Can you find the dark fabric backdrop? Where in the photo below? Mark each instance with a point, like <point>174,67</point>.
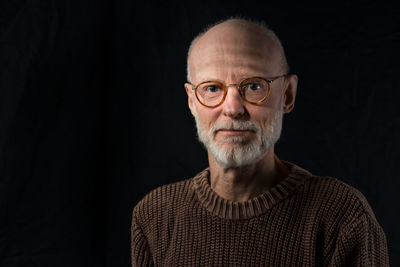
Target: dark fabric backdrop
<point>93,114</point>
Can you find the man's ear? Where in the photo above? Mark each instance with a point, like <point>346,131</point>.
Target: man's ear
<point>189,92</point>
<point>290,93</point>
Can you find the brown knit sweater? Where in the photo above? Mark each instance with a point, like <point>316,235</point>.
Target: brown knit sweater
<point>305,220</point>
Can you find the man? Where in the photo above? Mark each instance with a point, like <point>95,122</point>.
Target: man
<point>249,208</point>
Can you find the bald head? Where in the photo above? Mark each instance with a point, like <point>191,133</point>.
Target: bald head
<point>233,41</point>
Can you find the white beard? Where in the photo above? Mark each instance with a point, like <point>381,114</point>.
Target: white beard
<point>244,152</point>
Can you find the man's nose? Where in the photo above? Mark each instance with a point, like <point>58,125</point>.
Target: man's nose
<point>233,105</point>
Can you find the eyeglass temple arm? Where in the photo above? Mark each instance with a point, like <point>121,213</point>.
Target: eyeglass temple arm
<point>276,78</point>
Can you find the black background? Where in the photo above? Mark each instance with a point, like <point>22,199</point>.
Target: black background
<point>93,114</point>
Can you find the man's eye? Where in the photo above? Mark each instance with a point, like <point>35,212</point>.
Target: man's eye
<point>212,89</point>
<point>252,86</point>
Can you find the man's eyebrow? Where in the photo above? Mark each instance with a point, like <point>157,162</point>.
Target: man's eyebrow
<point>238,78</point>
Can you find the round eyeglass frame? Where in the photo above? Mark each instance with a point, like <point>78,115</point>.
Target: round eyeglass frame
<point>268,81</point>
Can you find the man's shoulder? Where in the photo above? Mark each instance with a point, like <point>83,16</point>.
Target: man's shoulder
<point>163,199</point>
<point>338,197</point>
<point>329,191</point>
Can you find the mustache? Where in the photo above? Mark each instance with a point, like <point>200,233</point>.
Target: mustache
<point>235,125</point>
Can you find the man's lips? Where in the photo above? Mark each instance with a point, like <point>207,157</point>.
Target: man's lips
<point>233,131</point>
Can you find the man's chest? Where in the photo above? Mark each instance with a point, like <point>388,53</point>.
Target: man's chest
<point>212,241</point>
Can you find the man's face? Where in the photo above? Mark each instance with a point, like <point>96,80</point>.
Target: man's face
<point>237,133</point>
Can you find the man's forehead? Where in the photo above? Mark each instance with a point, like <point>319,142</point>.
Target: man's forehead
<point>233,50</point>
<point>216,69</point>
<point>238,56</point>
<point>233,47</point>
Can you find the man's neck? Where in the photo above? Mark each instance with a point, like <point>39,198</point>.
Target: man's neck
<point>244,183</point>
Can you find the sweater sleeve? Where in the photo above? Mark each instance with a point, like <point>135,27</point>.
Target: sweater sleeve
<point>362,243</point>
<point>140,251</point>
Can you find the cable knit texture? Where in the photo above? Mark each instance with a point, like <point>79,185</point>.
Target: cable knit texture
<point>305,220</point>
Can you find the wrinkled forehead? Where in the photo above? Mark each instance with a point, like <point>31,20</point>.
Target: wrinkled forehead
<point>234,52</point>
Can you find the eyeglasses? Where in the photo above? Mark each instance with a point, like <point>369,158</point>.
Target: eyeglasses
<point>254,90</point>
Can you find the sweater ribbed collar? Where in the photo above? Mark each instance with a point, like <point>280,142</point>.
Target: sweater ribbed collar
<point>235,210</point>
